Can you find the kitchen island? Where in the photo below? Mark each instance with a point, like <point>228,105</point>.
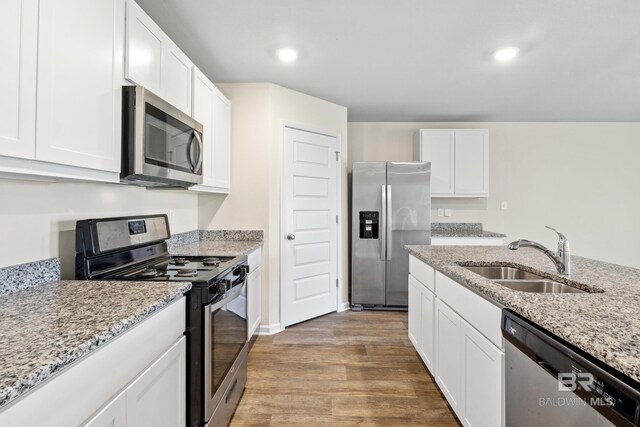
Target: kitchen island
<point>603,322</point>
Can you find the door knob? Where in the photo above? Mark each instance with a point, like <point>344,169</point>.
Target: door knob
<point>291,236</point>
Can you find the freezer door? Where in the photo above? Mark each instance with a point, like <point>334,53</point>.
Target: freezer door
<point>368,252</point>
<point>408,222</point>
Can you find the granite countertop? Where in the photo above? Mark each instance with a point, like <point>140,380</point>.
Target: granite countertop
<point>466,233</point>
<point>47,327</point>
<point>604,323</point>
<point>216,248</point>
<point>461,229</point>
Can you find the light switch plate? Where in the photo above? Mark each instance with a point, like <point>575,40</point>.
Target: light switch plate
<point>503,205</point>
<point>447,212</point>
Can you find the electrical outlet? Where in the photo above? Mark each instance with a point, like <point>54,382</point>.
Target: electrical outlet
<point>440,212</point>
<point>503,205</point>
<point>447,212</point>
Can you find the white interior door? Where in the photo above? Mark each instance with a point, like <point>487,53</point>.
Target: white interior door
<point>310,229</point>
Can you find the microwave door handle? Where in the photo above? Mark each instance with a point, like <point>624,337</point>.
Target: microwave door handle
<point>200,152</point>
<point>189,159</point>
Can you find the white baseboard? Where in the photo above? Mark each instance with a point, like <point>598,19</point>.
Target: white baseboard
<point>343,307</point>
<point>269,329</point>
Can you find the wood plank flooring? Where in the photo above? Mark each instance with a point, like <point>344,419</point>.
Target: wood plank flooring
<point>343,369</point>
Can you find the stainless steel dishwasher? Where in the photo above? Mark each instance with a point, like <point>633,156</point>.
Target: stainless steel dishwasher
<point>549,382</point>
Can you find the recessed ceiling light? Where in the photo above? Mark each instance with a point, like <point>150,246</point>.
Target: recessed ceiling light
<point>287,54</point>
<point>506,54</point>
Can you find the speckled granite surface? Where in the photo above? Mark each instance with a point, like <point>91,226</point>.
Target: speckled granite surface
<point>190,237</point>
<point>605,324</point>
<point>24,276</point>
<point>216,248</point>
<point>237,235</point>
<point>461,229</point>
<point>183,238</point>
<point>47,327</point>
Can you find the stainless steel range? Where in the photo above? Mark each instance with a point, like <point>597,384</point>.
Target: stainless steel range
<point>135,248</point>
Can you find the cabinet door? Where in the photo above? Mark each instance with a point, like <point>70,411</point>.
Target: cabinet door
<point>144,49</point>
<point>18,59</point>
<point>203,106</point>
<point>413,320</point>
<point>427,327</point>
<point>157,397</point>
<point>449,358</point>
<point>79,83</point>
<point>437,147</point>
<point>483,372</point>
<point>221,141</point>
<point>254,302</point>
<point>176,77</point>
<point>112,415</point>
<point>471,162</point>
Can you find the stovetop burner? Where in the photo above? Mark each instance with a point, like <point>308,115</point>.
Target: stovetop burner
<point>151,272</point>
<point>179,261</point>
<point>211,261</point>
<point>186,272</point>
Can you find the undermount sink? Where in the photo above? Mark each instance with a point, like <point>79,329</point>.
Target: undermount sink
<point>521,280</point>
<point>500,273</point>
<point>543,286</point>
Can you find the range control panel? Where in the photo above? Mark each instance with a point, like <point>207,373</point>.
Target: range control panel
<point>369,224</point>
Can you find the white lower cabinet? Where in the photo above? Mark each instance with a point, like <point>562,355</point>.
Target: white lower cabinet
<point>112,415</point>
<point>427,328</point>
<point>157,397</point>
<point>254,292</point>
<point>421,320</point>
<point>482,380</point>
<point>449,358</point>
<point>457,334</point>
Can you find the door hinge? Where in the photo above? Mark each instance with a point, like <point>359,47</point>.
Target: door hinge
<point>336,219</point>
<point>337,156</point>
<point>336,283</point>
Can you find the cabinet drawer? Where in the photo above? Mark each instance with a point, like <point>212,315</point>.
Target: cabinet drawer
<point>480,313</point>
<point>422,272</point>
<point>254,259</point>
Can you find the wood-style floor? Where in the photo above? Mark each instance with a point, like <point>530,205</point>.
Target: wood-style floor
<point>343,369</point>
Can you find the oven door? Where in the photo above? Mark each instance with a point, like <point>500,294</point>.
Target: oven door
<point>225,329</point>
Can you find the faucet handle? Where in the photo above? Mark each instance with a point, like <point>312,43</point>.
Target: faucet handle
<point>563,243</point>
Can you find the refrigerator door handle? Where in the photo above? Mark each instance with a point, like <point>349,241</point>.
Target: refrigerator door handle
<point>383,224</point>
<point>389,222</point>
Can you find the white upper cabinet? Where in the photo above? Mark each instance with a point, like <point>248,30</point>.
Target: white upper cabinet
<point>79,83</point>
<point>155,62</point>
<point>18,58</point>
<point>459,160</point>
<point>213,110</point>
<point>61,64</point>
<point>221,141</point>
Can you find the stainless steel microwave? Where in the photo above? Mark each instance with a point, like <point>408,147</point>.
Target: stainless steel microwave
<point>161,146</point>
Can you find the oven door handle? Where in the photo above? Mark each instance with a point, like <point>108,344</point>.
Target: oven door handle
<point>227,299</point>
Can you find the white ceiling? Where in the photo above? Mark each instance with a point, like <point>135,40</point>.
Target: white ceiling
<point>425,60</point>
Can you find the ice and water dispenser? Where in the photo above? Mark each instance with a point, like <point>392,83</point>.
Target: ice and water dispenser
<point>369,228</point>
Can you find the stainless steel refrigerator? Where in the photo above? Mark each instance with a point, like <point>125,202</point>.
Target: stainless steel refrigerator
<point>391,207</point>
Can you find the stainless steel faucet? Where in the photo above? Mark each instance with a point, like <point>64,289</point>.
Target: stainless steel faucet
<point>561,259</point>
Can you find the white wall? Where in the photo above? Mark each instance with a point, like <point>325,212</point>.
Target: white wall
<point>258,111</point>
<point>37,219</point>
<point>582,178</point>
